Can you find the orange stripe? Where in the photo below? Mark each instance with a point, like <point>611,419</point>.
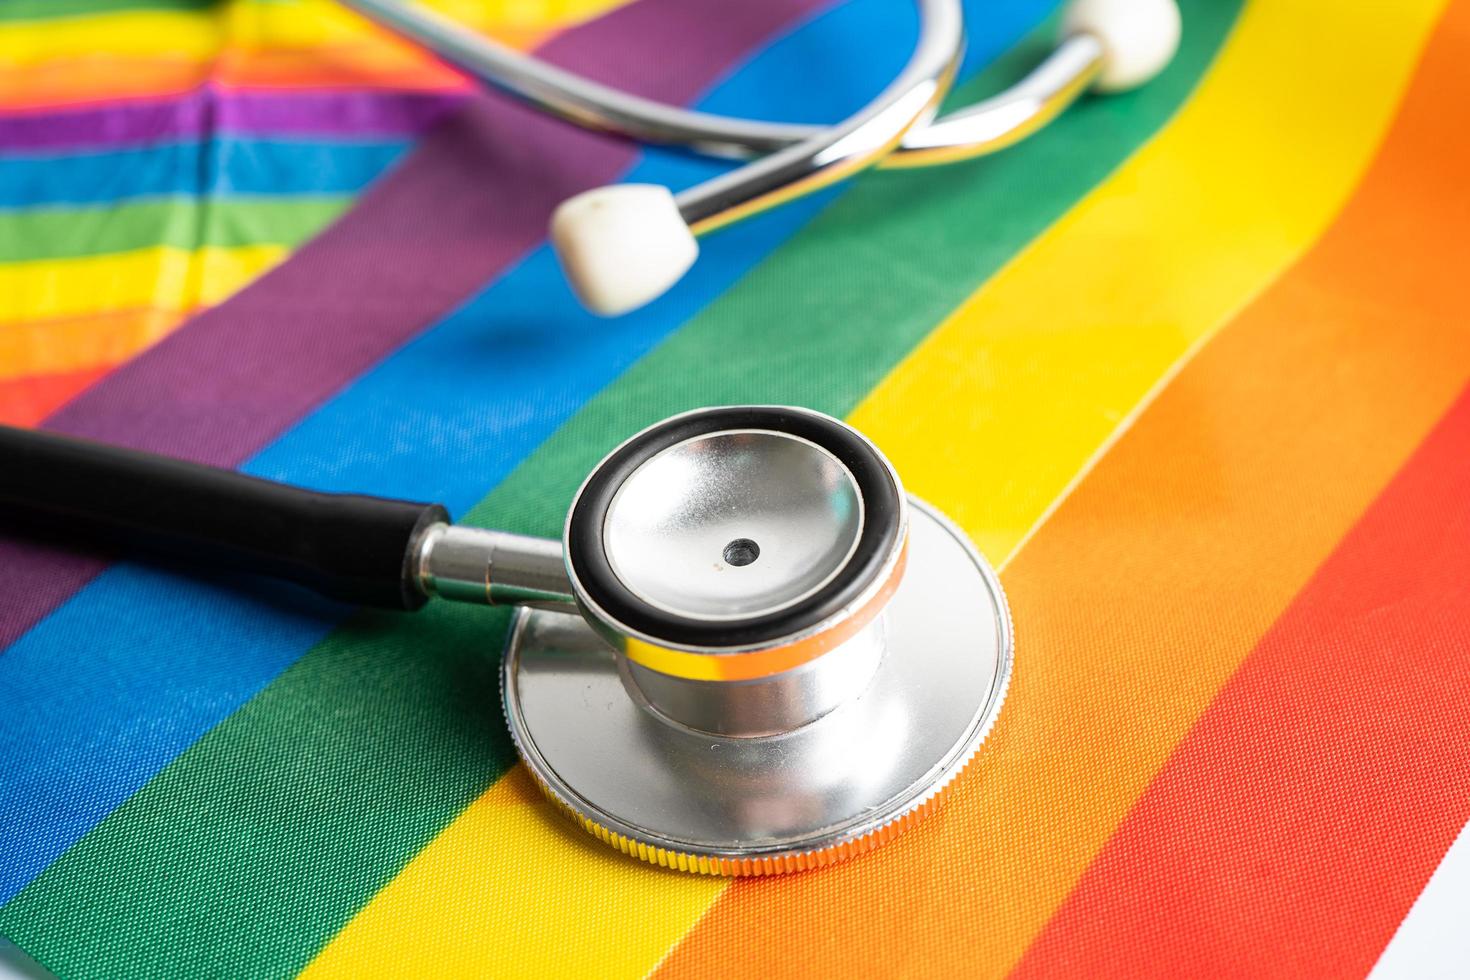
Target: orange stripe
<point>147,53</point>
<point>1337,763</point>
<point>68,345</point>
<point>26,401</point>
<point>112,78</point>
<point>390,64</point>
<point>1294,827</point>
<point>1150,584</point>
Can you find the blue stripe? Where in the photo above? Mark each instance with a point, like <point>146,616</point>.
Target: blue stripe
<point>118,681</point>
<point>224,165</point>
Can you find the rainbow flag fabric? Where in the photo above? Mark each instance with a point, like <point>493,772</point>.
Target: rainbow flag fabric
<point>1190,366</point>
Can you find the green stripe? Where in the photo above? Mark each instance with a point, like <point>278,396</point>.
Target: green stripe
<point>14,10</point>
<point>258,843</point>
<point>183,222</point>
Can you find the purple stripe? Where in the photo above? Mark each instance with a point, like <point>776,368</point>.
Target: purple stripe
<point>474,197</point>
<point>209,109</point>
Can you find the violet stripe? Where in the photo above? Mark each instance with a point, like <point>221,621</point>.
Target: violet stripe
<point>210,109</point>
<point>473,197</point>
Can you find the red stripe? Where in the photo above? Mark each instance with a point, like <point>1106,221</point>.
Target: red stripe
<point>1292,829</point>
<point>26,401</point>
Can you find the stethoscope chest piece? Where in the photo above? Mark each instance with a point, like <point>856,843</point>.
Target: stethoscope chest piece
<point>788,661</point>
<point>751,651</point>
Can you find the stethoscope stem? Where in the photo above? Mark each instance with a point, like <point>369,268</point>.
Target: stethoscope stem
<point>470,564</point>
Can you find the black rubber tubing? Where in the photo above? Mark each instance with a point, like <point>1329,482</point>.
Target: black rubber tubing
<point>346,546</point>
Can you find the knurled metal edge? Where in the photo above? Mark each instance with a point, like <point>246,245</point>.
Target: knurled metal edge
<point>667,855</point>
<point>781,862</point>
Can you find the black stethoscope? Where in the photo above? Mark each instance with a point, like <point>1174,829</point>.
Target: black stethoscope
<point>751,651</point>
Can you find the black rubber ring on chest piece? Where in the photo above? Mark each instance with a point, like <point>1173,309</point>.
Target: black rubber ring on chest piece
<point>587,553</point>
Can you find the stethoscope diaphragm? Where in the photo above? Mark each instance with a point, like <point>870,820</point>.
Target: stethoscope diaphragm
<point>915,695</point>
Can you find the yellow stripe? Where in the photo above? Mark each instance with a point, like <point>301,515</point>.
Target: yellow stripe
<point>518,913</point>
<point>185,35</point>
<point>990,419</point>
<point>255,24</point>
<point>163,277</point>
<point>1032,373</point>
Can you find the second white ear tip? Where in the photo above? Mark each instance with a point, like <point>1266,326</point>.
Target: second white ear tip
<point>1141,37</point>
<point>622,246</point>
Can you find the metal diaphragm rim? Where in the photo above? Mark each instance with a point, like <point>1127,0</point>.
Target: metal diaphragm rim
<point>606,596</point>
<point>654,787</point>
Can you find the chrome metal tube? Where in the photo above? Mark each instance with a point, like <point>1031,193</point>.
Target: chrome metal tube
<point>852,145</point>
<point>468,564</point>
<point>569,96</point>
<point>983,128</point>
<point>1011,116</point>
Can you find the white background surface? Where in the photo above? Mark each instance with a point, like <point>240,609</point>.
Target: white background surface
<point>1433,941</point>
<point>15,965</point>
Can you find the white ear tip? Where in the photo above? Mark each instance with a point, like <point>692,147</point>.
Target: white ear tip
<point>1140,37</point>
<point>622,246</point>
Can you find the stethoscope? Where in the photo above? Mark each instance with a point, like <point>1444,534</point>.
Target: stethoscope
<point>751,652</point>
<point>623,245</point>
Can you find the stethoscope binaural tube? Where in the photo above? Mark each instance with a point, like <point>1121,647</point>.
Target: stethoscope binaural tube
<point>751,652</point>
<point>623,245</point>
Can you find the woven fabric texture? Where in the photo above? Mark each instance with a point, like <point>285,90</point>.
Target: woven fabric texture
<point>1189,366</point>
